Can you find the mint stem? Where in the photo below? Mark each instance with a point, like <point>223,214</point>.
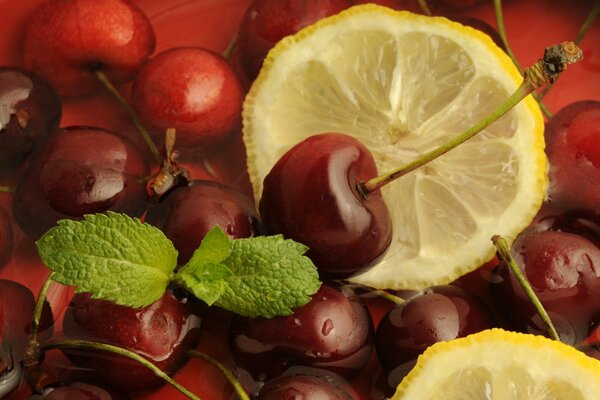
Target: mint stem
<point>504,254</point>
<point>502,33</point>
<point>90,345</point>
<point>241,393</point>
<point>582,31</point>
<point>131,113</point>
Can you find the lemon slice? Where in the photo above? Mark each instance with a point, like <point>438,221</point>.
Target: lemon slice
<point>500,365</point>
<point>403,84</point>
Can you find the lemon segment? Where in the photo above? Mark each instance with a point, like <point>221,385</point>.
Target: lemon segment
<point>501,365</point>
<point>403,84</point>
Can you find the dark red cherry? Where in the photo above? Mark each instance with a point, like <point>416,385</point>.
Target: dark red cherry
<point>310,196</point>
<point>6,238</point>
<point>192,90</point>
<point>78,171</point>
<point>564,271</point>
<point>160,332</point>
<point>76,391</point>
<point>266,22</point>
<point>30,110</point>
<point>574,154</point>
<point>439,314</point>
<point>67,40</point>
<point>306,384</point>
<point>189,213</point>
<point>333,332</point>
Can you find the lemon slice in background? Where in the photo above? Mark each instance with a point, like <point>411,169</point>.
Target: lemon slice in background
<point>403,84</point>
<point>499,365</point>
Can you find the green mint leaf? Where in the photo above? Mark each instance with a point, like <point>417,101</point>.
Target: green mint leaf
<point>214,248</point>
<point>112,256</point>
<point>269,276</point>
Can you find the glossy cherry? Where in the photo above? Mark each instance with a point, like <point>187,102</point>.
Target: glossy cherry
<point>30,110</point>
<point>76,391</point>
<point>67,40</point>
<point>80,170</point>
<point>306,384</point>
<point>189,213</point>
<point>266,22</point>
<point>192,90</point>
<point>333,332</point>
<point>160,332</point>
<point>310,195</point>
<point>564,271</point>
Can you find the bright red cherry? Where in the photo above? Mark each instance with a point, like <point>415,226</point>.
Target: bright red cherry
<point>311,196</point>
<point>80,170</point>
<point>192,90</point>
<point>67,40</point>
<point>30,110</point>
<point>266,22</point>
<point>189,213</point>
<point>160,332</point>
<point>564,272</point>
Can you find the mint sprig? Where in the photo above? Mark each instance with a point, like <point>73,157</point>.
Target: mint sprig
<point>118,258</point>
<point>261,276</point>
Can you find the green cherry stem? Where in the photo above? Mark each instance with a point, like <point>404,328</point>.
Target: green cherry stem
<point>90,345</point>
<point>230,47</point>
<point>377,292</point>
<point>424,7</point>
<point>239,389</point>
<point>39,306</point>
<point>582,31</point>
<point>507,258</point>
<point>131,113</point>
<point>7,189</point>
<point>546,70</point>
<point>502,33</point>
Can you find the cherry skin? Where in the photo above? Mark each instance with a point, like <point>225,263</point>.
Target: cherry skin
<point>160,332</point>
<point>189,213</point>
<point>295,385</point>
<point>574,155</point>
<point>192,90</point>
<point>332,331</point>
<point>310,196</point>
<point>6,238</point>
<point>564,271</point>
<point>266,22</point>
<point>30,110</point>
<point>439,314</point>
<point>67,40</point>
<point>78,171</point>
<point>76,391</point>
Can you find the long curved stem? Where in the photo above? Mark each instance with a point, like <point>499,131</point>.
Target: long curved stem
<point>239,390</point>
<point>131,113</point>
<point>85,344</point>
<point>502,33</point>
<point>39,306</point>
<point>504,254</point>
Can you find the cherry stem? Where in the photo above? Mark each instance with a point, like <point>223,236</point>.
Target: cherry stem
<point>377,292</point>
<point>239,389</point>
<point>39,306</point>
<point>582,31</point>
<point>546,70</point>
<point>425,7</point>
<point>502,33</point>
<point>131,113</point>
<point>230,47</point>
<point>85,344</point>
<point>7,189</point>
<point>507,258</point>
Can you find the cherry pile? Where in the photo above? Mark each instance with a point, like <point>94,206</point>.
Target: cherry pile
<point>347,342</point>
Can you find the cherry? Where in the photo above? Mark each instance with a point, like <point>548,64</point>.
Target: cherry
<point>80,170</point>
<point>76,391</point>
<point>306,384</point>
<point>266,22</point>
<point>564,271</point>
<point>574,156</point>
<point>30,109</point>
<point>18,302</point>
<point>66,41</point>
<point>441,313</point>
<point>192,90</point>
<point>6,238</point>
<point>482,26</point>
<point>160,332</point>
<point>333,332</point>
<point>189,213</point>
<point>310,195</point>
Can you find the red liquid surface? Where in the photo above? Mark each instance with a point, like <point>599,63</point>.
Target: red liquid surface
<point>531,26</point>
